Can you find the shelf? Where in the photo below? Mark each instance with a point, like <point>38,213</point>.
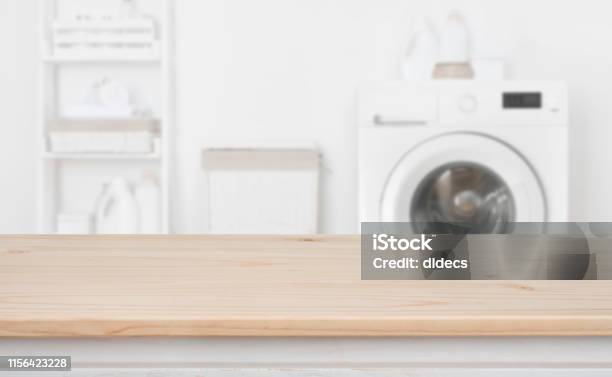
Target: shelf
<point>102,59</point>
<point>65,76</point>
<point>101,156</point>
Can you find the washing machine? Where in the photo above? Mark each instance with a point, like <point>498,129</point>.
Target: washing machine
<point>484,154</point>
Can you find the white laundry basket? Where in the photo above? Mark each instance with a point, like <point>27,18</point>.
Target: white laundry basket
<point>262,191</point>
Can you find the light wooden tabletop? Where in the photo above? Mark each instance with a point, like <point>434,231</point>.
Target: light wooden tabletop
<point>60,286</point>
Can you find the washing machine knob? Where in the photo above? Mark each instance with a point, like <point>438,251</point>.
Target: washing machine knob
<point>468,103</point>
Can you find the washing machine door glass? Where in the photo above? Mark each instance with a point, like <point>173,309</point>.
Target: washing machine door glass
<point>463,193</point>
<point>463,178</point>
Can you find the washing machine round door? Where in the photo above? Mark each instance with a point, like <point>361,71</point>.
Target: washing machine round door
<point>463,178</point>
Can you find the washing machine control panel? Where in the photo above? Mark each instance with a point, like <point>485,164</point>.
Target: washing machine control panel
<point>488,105</point>
<point>464,104</point>
<point>522,100</point>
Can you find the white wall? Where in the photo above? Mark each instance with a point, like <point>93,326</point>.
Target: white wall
<point>288,69</point>
<point>17,118</point>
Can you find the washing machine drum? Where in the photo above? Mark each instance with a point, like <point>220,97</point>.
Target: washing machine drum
<point>463,179</point>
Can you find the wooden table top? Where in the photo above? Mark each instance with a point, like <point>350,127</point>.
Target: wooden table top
<point>64,286</point>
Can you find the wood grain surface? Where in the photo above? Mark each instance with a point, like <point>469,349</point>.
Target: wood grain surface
<point>63,286</point>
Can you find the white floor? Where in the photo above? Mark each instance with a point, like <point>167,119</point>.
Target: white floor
<point>328,373</point>
<point>388,357</point>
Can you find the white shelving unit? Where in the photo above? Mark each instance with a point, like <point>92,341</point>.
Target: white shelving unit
<point>71,182</point>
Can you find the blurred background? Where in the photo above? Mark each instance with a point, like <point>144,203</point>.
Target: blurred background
<point>98,131</point>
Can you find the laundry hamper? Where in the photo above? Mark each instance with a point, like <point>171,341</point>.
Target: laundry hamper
<point>262,191</point>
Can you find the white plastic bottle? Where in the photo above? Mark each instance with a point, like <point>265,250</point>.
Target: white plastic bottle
<point>117,211</point>
<point>148,198</point>
<point>422,54</point>
<point>455,50</point>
